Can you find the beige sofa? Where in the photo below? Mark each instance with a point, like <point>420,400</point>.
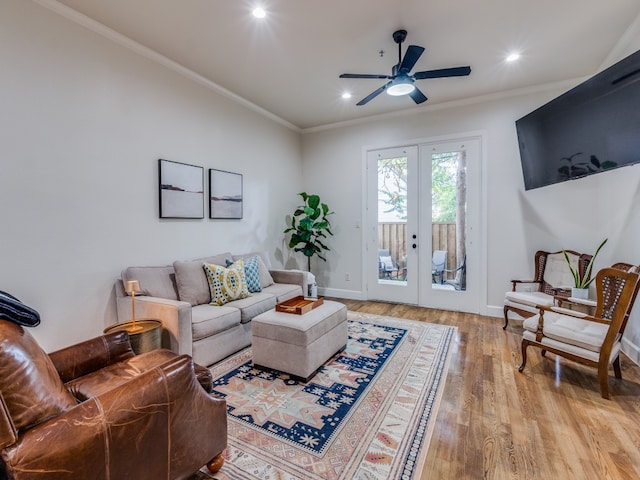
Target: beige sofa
<point>179,296</point>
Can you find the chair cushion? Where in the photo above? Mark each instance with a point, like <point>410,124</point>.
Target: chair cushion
<point>15,311</point>
<point>226,284</point>
<point>556,270</point>
<point>31,387</point>
<point>530,298</point>
<point>566,329</point>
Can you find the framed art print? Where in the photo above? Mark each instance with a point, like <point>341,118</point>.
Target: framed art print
<point>225,194</point>
<point>181,190</point>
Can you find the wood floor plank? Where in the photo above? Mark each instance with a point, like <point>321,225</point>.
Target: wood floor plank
<point>548,422</point>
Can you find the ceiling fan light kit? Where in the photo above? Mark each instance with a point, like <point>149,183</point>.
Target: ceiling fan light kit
<point>401,83</point>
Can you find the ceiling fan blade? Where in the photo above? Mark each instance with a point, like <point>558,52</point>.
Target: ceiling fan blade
<point>373,94</point>
<point>364,75</point>
<point>418,96</point>
<point>443,72</point>
<point>411,56</point>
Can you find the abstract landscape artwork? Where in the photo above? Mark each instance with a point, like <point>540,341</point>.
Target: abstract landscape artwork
<point>181,190</point>
<point>225,194</point>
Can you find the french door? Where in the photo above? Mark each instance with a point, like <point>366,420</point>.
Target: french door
<point>422,220</point>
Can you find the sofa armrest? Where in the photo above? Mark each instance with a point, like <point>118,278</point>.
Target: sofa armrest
<point>163,416</point>
<point>91,355</point>
<point>174,315</point>
<point>292,277</point>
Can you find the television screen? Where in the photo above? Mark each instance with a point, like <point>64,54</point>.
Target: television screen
<point>592,128</point>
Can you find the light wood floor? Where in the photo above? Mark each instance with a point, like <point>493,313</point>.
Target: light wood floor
<point>548,422</point>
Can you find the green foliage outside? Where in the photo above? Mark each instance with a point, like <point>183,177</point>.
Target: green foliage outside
<point>392,186</point>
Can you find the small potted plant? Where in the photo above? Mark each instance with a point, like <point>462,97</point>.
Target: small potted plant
<point>581,289</point>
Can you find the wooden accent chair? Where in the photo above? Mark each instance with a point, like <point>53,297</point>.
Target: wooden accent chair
<point>95,410</point>
<point>552,277</point>
<point>590,340</point>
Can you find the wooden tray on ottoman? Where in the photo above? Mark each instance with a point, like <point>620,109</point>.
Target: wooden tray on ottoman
<point>299,305</point>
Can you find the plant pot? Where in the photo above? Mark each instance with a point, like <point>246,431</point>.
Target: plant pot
<point>581,293</point>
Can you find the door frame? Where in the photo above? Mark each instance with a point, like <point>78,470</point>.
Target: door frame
<point>481,262</point>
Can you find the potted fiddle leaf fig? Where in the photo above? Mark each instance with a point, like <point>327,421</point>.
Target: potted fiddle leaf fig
<point>581,289</point>
<point>310,226</point>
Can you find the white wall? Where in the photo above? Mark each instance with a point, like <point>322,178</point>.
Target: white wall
<point>83,122</point>
<point>575,215</point>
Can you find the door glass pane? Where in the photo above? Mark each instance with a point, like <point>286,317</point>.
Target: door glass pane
<point>448,220</point>
<point>392,219</point>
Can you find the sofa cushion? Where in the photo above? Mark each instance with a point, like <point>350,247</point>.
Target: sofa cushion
<point>191,280</point>
<point>251,273</point>
<point>283,291</point>
<point>264,265</point>
<point>207,320</point>
<point>226,284</point>
<point>254,305</point>
<point>154,281</point>
<point>31,387</point>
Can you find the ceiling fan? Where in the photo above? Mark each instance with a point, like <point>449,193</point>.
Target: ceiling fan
<point>401,83</point>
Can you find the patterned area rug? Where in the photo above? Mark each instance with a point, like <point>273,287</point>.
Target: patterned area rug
<point>367,414</point>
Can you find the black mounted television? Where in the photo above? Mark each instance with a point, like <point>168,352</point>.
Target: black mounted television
<point>592,128</point>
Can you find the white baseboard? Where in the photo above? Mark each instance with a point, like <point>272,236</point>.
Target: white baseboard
<point>339,293</point>
<point>631,350</point>
<point>493,311</point>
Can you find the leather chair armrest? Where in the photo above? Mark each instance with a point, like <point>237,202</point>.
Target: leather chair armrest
<point>8,433</point>
<point>292,277</point>
<point>91,355</point>
<point>163,416</point>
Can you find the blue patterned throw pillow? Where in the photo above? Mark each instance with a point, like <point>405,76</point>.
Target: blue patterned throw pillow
<point>251,273</point>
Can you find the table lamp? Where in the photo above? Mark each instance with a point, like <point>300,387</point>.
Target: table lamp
<point>131,287</point>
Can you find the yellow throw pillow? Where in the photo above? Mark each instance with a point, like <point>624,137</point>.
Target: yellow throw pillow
<point>226,284</point>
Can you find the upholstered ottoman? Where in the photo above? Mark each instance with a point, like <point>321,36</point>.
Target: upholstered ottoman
<point>299,344</point>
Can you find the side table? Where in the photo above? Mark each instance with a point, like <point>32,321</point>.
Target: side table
<point>145,337</point>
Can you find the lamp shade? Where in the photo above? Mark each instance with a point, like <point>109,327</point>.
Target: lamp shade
<point>132,286</point>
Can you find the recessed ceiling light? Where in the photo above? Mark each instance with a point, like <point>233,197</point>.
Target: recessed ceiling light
<point>259,12</point>
<point>346,95</point>
<point>512,57</point>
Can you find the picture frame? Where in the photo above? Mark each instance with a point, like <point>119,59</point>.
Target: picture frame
<point>225,195</point>
<point>180,189</point>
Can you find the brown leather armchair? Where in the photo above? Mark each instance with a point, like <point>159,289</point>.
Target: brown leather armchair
<point>95,410</point>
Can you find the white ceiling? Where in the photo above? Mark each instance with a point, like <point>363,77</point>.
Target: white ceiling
<point>289,62</point>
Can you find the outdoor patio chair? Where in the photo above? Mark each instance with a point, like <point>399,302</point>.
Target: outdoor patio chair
<point>459,282</point>
<point>438,265</point>
<point>387,268</point>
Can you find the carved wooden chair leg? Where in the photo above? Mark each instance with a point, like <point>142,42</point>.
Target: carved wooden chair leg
<point>525,344</point>
<point>506,318</point>
<point>616,368</point>
<point>215,464</point>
